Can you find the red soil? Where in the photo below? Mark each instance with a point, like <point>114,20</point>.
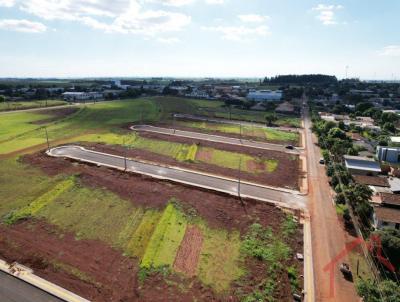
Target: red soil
<point>285,175</point>
<point>112,277</point>
<point>56,114</point>
<point>188,254</point>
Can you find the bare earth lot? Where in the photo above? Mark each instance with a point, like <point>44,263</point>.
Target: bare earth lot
<point>110,276</point>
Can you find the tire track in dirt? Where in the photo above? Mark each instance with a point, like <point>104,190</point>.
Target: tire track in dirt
<point>188,254</point>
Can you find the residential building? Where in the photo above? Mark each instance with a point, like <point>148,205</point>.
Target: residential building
<point>358,165</point>
<point>375,183</point>
<point>388,154</point>
<point>265,95</point>
<point>81,96</point>
<point>285,108</point>
<point>387,215</point>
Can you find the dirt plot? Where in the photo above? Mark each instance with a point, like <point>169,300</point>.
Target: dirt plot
<point>219,210</point>
<point>188,254</point>
<point>112,277</point>
<point>234,135</point>
<point>56,114</point>
<point>285,175</point>
<point>106,274</point>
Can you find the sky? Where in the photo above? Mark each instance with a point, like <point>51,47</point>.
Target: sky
<point>199,38</point>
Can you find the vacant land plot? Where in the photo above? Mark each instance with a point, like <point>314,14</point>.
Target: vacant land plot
<point>6,106</point>
<point>159,228</point>
<point>109,236</point>
<point>260,166</point>
<point>249,132</point>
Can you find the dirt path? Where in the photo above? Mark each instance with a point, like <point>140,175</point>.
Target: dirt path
<point>328,236</point>
<point>188,255</point>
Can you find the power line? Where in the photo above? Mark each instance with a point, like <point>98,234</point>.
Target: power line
<point>355,223</point>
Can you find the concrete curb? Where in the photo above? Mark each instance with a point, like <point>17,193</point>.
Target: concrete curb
<point>277,203</point>
<point>309,284</point>
<point>186,170</point>
<point>27,275</point>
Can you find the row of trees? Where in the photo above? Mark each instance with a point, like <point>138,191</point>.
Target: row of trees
<point>306,79</point>
<point>357,196</point>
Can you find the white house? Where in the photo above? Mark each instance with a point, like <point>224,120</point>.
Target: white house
<point>265,95</point>
<point>358,165</point>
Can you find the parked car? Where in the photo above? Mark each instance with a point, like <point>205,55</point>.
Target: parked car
<point>290,147</point>
<point>322,161</point>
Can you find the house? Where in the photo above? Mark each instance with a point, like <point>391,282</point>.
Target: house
<point>394,184</point>
<point>358,165</point>
<point>376,184</point>
<point>388,154</point>
<point>285,108</point>
<point>395,139</point>
<point>81,96</point>
<point>264,95</point>
<point>387,215</point>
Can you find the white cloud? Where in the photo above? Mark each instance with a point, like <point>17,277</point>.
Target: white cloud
<point>7,3</point>
<point>122,16</point>
<point>22,26</point>
<point>390,51</point>
<point>326,13</point>
<point>215,1</point>
<point>253,18</point>
<point>168,40</point>
<point>175,3</point>
<point>239,33</point>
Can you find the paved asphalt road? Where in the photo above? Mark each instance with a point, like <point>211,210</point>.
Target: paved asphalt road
<point>215,138</point>
<point>288,198</point>
<point>235,122</point>
<point>15,290</point>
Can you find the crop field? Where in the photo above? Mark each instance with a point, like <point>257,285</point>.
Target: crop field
<point>262,134</point>
<point>109,236</point>
<point>5,106</point>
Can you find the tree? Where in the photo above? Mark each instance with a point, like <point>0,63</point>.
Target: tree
<point>371,292</point>
<point>390,240</point>
<point>2,98</point>
<point>389,127</point>
<point>337,133</point>
<point>270,118</point>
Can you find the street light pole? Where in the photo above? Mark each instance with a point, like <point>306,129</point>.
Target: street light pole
<point>47,138</point>
<point>125,164</point>
<point>240,172</point>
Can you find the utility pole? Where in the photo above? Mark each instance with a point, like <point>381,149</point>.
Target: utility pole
<point>125,163</point>
<point>47,138</point>
<point>239,179</point>
<point>230,112</point>
<point>347,71</point>
<point>241,133</point>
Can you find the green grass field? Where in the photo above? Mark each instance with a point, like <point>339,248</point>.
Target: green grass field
<point>9,106</point>
<point>266,134</point>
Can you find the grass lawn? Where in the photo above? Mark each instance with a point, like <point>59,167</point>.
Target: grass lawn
<point>231,160</point>
<point>220,258</point>
<point>6,106</point>
<point>267,134</point>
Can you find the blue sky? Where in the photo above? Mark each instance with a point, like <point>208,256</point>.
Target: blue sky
<point>197,38</point>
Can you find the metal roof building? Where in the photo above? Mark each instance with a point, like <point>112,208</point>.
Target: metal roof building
<point>359,165</point>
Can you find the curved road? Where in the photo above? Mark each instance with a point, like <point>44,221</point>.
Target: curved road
<point>215,138</point>
<point>15,290</point>
<point>283,197</point>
